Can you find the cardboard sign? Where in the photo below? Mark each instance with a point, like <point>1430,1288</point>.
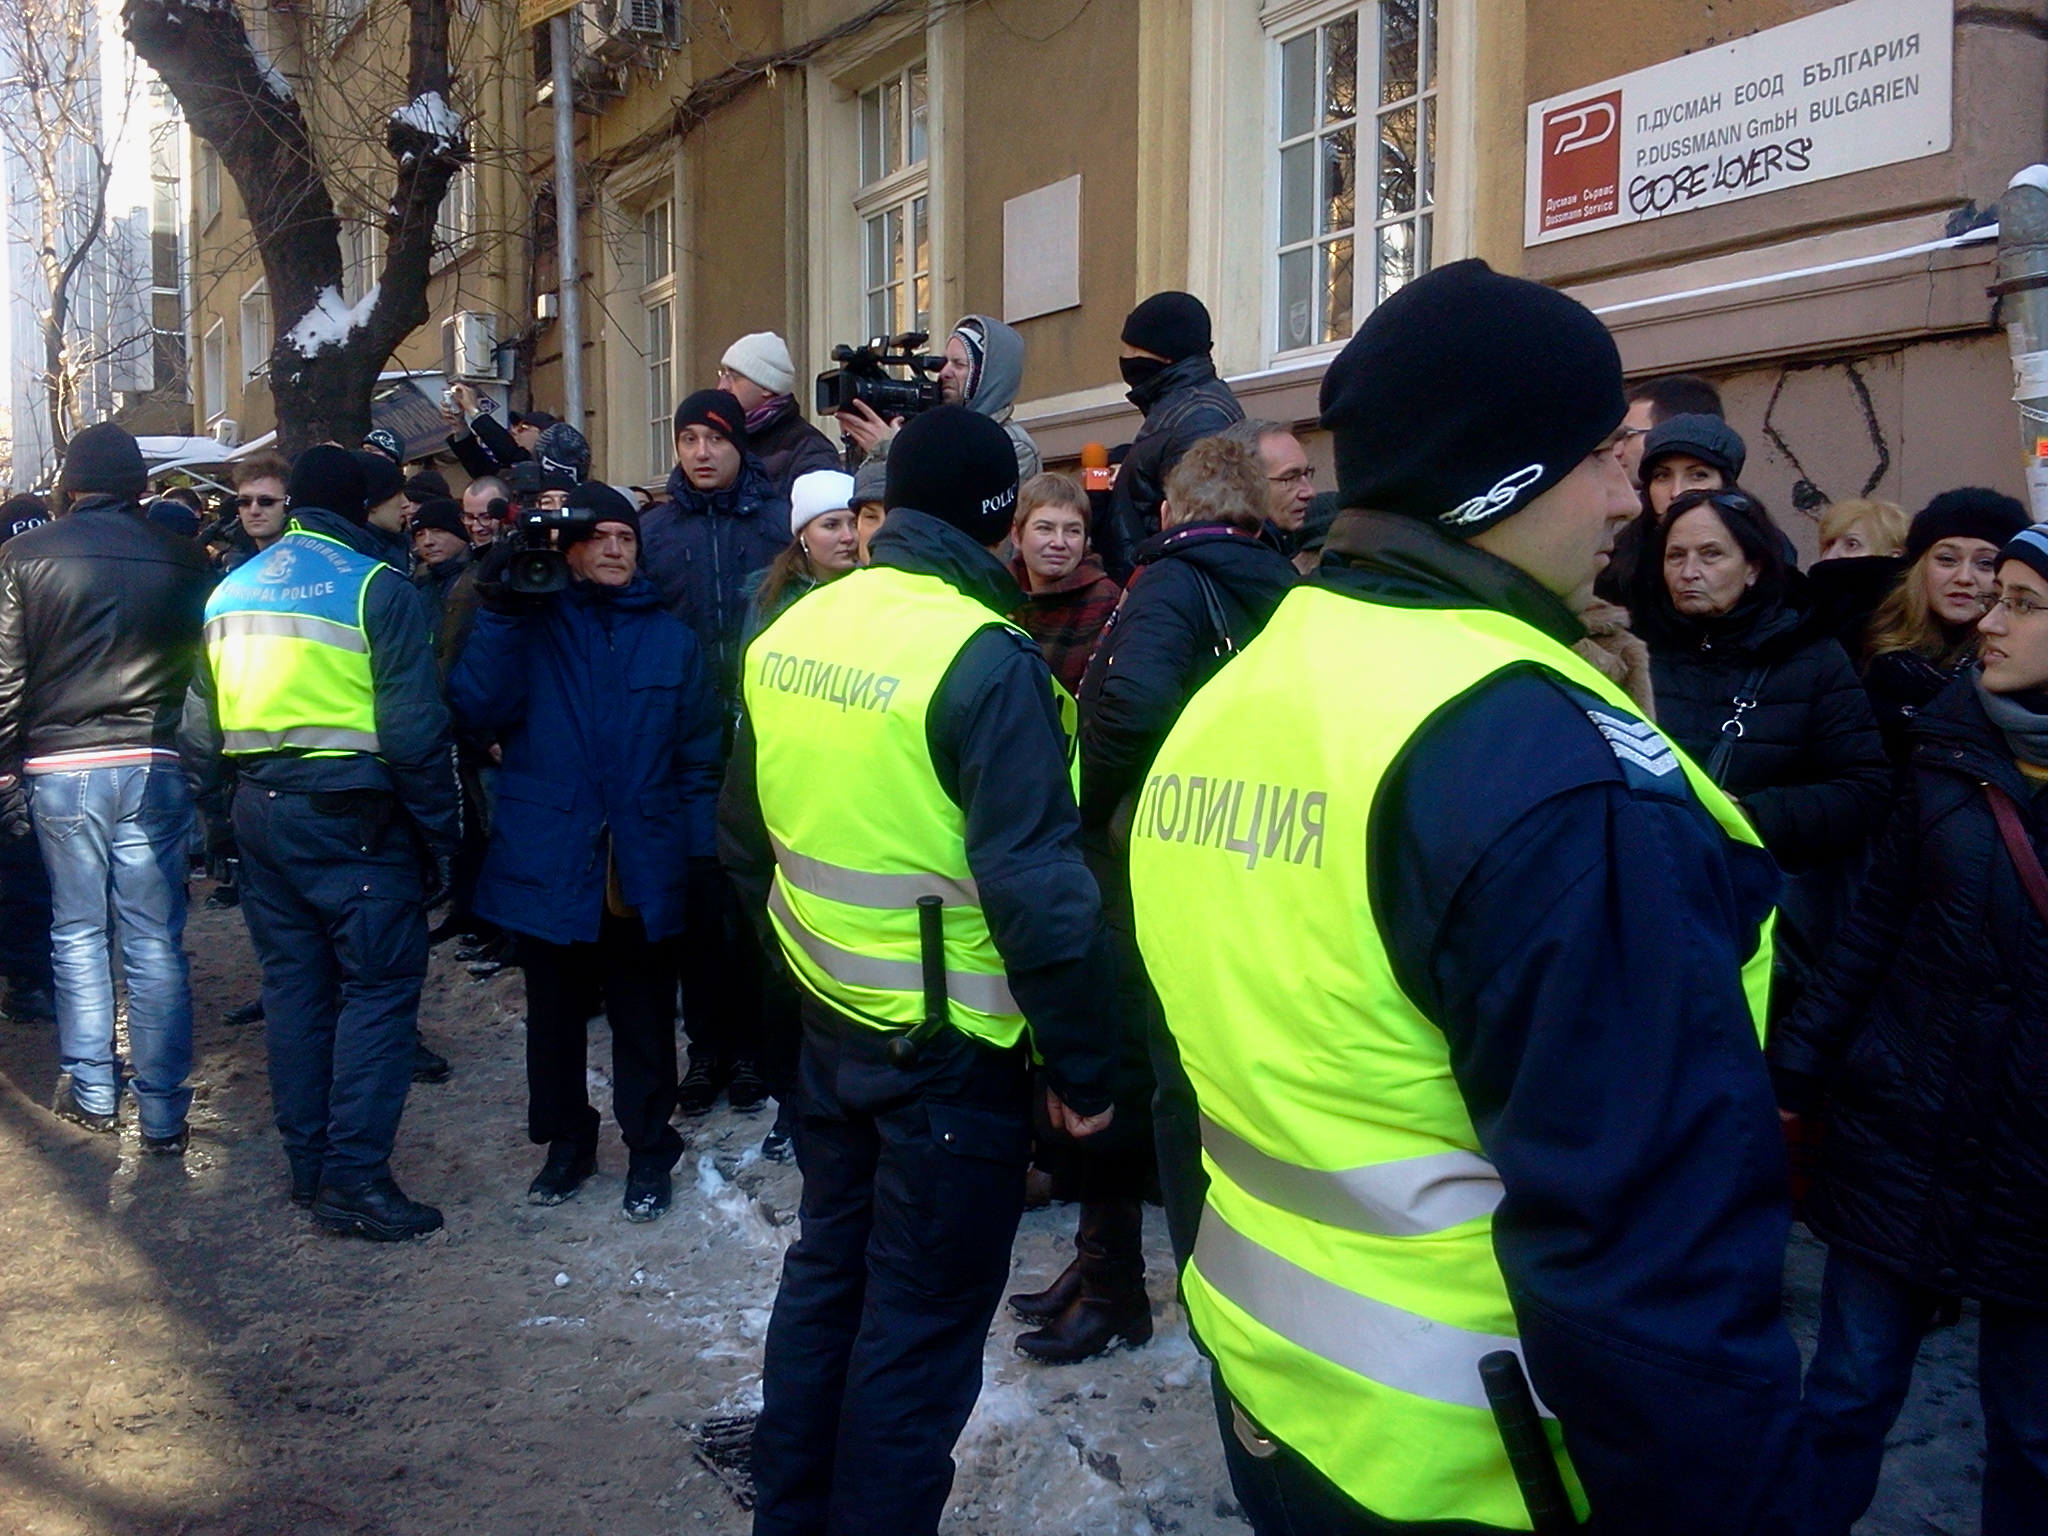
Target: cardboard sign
<point>1864,84</point>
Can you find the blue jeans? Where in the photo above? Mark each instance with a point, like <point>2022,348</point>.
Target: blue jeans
<point>1871,1323</point>
<point>113,840</point>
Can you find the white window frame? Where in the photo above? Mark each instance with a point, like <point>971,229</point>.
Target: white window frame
<point>253,311</point>
<point>360,257</point>
<point>655,226</point>
<point>213,369</point>
<point>1288,25</point>
<point>893,200</point>
<point>208,180</point>
<point>455,219</point>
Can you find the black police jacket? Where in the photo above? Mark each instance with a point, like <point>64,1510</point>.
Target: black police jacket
<point>1927,1033</point>
<point>100,615</point>
<point>996,744</point>
<point>1576,924</point>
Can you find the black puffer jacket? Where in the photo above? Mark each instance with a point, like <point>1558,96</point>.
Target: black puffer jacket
<point>1901,684</point>
<point>1808,767</point>
<point>100,614</point>
<point>1161,645</point>
<point>1182,404</point>
<point>1928,1030</point>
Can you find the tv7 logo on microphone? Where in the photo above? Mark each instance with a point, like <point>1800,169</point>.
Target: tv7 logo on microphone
<point>1581,174</point>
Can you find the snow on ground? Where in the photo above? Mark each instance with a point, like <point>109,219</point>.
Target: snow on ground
<point>187,1354</point>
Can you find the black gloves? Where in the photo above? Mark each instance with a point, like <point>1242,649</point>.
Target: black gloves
<point>15,822</point>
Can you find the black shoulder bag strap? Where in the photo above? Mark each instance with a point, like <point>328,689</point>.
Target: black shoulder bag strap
<point>1224,647</point>
<point>1732,729</point>
<point>2013,829</point>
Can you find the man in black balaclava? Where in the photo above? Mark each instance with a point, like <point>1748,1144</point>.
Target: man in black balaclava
<point>913,1166</point>
<point>1166,362</point>
<point>321,693</point>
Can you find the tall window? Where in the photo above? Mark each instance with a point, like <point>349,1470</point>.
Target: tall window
<point>1357,151</point>
<point>455,220</point>
<point>894,205</point>
<point>256,330</point>
<point>213,363</point>
<point>209,183</point>
<point>658,305</point>
<point>358,258</point>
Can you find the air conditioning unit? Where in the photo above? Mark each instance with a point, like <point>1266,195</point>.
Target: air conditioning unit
<point>228,432</point>
<point>643,18</point>
<point>469,345</point>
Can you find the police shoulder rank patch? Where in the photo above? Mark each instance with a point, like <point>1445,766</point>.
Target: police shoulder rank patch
<point>1636,743</point>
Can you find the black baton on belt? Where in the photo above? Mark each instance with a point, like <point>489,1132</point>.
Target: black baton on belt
<point>931,943</point>
<point>1528,1447</point>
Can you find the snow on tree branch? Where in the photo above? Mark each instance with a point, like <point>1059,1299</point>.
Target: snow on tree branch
<point>331,321</point>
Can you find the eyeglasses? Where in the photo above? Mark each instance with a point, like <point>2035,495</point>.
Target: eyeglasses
<point>2018,607</point>
<point>265,502</point>
<point>1295,476</point>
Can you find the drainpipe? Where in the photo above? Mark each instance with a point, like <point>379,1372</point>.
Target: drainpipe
<point>2022,290</point>
<point>569,259</point>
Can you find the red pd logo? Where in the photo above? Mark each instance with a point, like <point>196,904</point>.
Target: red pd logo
<point>1581,176</point>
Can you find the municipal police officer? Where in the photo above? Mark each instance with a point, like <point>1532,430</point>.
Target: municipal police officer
<point>1467,965</point>
<point>320,686</point>
<point>903,742</point>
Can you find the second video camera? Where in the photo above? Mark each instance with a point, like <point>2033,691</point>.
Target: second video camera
<point>865,373</point>
<point>537,565</point>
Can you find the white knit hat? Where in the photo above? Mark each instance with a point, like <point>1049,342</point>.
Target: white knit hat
<point>763,357</point>
<point>815,494</point>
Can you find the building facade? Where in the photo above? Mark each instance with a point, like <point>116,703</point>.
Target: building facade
<point>840,169</point>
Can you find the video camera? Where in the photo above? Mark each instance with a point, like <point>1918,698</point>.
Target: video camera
<point>864,374</point>
<point>537,564</point>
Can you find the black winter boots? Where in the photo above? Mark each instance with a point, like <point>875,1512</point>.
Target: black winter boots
<point>1100,1299</point>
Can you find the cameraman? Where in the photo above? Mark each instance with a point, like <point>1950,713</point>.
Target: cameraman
<point>983,370</point>
<point>605,808</point>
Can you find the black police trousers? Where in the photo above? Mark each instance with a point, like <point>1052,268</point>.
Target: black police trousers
<point>332,889</point>
<point>913,1186</point>
<point>24,913</point>
<point>636,982</point>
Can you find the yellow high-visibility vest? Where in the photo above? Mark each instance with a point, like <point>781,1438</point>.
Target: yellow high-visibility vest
<point>1344,1276</point>
<point>289,651</point>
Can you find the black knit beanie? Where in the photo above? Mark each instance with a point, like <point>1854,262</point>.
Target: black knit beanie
<point>1467,395</point>
<point>1173,324</point>
<point>563,451</point>
<point>442,512</point>
<point>384,442</point>
<point>330,479</point>
<point>606,505</point>
<point>1971,512</point>
<point>427,485</point>
<point>717,409</point>
<point>958,466</point>
<point>1706,438</point>
<point>104,460</point>
<point>382,479</point>
<point>2030,547</point>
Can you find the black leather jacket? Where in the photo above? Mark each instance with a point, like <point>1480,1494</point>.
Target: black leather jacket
<point>1182,405</point>
<point>100,613</point>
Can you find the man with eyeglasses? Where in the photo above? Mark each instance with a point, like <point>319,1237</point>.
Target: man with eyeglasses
<point>1290,478</point>
<point>259,498</point>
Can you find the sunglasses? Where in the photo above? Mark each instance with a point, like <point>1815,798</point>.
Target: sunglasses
<point>259,501</point>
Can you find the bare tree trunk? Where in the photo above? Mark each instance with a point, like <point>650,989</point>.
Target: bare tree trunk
<point>326,355</point>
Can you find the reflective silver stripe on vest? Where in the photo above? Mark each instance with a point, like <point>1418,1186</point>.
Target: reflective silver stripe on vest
<point>1374,1339</point>
<point>984,994</point>
<point>858,888</point>
<point>1408,1197</point>
<point>310,738</point>
<point>287,626</point>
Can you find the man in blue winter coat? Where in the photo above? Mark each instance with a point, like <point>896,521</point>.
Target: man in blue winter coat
<point>724,521</point>
<point>606,802</point>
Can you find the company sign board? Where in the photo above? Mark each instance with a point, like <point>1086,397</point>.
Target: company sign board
<point>1859,85</point>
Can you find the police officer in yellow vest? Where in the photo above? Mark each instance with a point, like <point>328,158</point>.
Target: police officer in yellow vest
<point>1466,963</point>
<point>319,687</point>
<point>901,741</point>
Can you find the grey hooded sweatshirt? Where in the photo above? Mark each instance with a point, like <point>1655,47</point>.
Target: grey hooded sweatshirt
<point>997,354</point>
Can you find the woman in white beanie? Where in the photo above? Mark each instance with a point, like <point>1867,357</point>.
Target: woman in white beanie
<point>757,371</point>
<point>824,546</point>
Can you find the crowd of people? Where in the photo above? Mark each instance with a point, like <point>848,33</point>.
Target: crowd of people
<point>909,778</point>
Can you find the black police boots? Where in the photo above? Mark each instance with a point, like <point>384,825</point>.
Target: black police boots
<point>378,1210</point>
<point>569,1163</point>
<point>1110,1304</point>
<point>649,1189</point>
